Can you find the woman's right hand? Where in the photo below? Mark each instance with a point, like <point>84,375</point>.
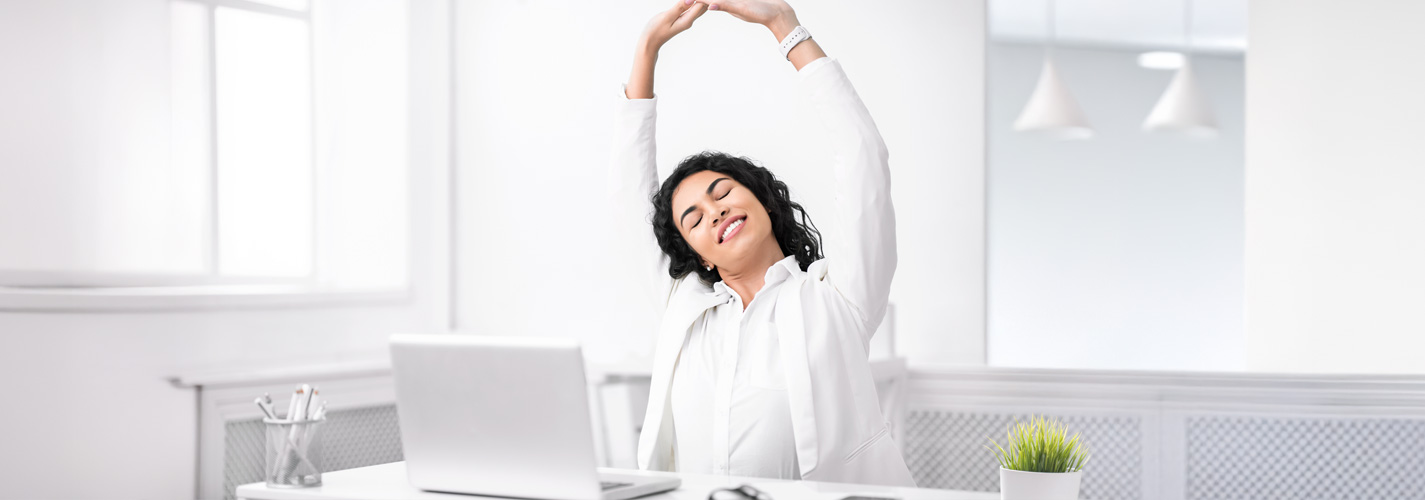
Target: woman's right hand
<point>667,24</point>
<point>660,29</point>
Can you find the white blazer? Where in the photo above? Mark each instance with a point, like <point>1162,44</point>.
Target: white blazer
<point>825,316</point>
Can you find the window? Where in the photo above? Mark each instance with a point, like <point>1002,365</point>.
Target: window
<point>265,143</point>
<point>243,109</point>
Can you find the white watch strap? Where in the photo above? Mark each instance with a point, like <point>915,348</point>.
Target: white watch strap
<point>797,36</point>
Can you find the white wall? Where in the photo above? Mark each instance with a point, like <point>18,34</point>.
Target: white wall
<point>1335,186</point>
<point>1123,251</point>
<point>87,411</point>
<point>533,113</point>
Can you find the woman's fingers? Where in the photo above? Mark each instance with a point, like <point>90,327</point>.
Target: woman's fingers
<point>685,20</point>
<point>670,22</point>
<point>752,11</point>
<point>733,7</point>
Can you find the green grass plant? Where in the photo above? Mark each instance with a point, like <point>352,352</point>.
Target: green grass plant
<point>1041,445</point>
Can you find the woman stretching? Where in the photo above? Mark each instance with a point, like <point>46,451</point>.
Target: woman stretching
<point>761,365</point>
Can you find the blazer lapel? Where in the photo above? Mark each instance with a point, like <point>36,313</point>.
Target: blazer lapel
<point>688,303</point>
<point>791,336</point>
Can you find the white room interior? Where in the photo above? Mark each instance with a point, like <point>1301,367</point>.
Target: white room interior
<point>1131,281</point>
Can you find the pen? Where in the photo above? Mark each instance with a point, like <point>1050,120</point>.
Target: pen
<point>305,393</point>
<point>294,410</point>
<point>311,406</point>
<point>292,406</point>
<point>305,409</point>
<point>316,414</point>
<point>266,410</point>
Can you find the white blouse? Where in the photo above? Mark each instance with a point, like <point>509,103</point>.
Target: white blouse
<point>729,398</point>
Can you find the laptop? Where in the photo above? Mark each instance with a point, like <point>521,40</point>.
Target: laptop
<point>502,416</point>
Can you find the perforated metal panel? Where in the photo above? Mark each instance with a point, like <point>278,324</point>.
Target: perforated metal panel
<point>355,437</point>
<point>946,449</point>
<point>1303,458</point>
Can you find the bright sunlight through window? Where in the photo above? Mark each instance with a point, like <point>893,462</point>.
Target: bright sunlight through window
<point>264,131</point>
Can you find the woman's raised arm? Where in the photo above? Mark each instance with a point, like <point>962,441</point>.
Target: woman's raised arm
<point>660,29</point>
<point>633,168</point>
<point>862,260</point>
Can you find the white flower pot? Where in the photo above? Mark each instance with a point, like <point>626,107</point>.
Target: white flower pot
<point>1020,485</point>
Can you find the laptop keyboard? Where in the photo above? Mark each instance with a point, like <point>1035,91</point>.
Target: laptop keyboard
<point>606,485</point>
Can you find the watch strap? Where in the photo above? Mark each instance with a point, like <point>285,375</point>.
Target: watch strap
<point>798,35</point>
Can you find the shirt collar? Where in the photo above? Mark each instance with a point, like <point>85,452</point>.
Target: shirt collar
<point>776,274</point>
<point>783,269</point>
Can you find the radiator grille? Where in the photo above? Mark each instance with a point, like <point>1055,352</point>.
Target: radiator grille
<point>946,449</point>
<point>355,437</point>
<point>1300,458</point>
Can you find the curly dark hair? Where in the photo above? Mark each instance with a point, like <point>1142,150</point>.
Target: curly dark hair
<point>791,226</point>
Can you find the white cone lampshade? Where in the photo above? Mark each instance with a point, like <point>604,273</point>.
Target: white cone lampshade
<point>1051,110</point>
<point>1182,109</point>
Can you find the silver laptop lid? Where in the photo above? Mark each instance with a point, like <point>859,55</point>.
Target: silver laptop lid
<point>503,416</point>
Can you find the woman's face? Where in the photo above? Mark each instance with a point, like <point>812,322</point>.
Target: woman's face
<point>721,219</point>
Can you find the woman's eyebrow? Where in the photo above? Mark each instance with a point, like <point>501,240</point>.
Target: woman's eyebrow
<point>714,184</point>
<point>685,214</point>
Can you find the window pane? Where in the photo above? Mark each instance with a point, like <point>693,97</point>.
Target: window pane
<point>265,205</point>
<point>87,184</point>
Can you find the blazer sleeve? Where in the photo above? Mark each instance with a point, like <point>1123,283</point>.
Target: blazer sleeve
<point>632,180</point>
<point>862,261</point>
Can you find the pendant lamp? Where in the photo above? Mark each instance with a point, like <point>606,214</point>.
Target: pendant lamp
<point>1051,109</point>
<point>1183,108</point>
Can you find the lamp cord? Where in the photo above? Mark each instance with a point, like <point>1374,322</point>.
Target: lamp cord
<point>1049,28</point>
<point>1187,26</point>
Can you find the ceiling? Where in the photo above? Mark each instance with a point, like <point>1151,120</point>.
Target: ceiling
<point>1218,25</point>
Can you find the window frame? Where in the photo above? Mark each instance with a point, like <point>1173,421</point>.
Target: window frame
<point>103,291</point>
<point>22,281</point>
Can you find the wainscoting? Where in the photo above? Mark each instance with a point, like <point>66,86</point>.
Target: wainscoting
<point>1181,436</point>
<point>1153,435</point>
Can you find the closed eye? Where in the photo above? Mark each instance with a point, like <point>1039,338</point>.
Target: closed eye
<point>695,224</point>
<point>724,195</point>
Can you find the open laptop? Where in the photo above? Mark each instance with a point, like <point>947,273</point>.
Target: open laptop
<point>502,416</point>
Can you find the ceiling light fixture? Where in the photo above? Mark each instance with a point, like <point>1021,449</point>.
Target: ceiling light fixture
<point>1183,108</point>
<point>1051,110</point>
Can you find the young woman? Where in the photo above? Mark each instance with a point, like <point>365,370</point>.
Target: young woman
<point>761,365</point>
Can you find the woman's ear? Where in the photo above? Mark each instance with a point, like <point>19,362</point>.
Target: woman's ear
<point>707,265</point>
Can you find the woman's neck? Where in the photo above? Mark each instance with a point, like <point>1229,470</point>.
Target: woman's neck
<point>747,280</point>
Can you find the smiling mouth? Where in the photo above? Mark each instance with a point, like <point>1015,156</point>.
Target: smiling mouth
<point>731,229</point>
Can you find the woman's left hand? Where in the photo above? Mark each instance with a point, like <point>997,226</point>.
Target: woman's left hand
<point>778,17</point>
<point>773,14</point>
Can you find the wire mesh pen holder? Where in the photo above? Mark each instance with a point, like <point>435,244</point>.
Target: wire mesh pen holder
<point>294,453</point>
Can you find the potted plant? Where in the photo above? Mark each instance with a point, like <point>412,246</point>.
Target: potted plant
<point>1040,461</point>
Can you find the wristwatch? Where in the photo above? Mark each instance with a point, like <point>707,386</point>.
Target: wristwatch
<point>797,36</point>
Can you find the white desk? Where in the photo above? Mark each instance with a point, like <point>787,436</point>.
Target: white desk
<point>388,482</point>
